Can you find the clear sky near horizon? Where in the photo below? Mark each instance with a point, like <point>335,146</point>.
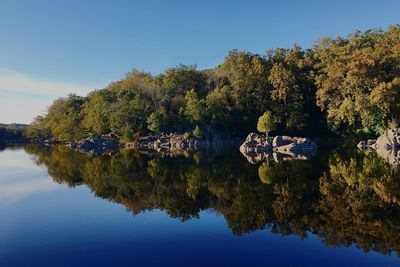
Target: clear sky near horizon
<point>49,48</point>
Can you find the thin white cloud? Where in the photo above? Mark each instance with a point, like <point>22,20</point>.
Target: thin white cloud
<point>21,110</point>
<point>13,81</point>
<point>23,97</point>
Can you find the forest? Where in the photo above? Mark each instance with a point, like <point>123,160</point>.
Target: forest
<point>339,86</point>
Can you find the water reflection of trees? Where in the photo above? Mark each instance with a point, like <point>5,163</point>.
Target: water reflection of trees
<point>359,203</point>
<point>345,198</point>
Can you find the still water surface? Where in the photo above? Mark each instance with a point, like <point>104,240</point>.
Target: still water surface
<point>62,208</point>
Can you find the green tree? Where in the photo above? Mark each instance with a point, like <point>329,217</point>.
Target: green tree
<point>195,109</point>
<point>128,118</point>
<point>157,121</point>
<point>357,79</point>
<point>247,73</point>
<point>97,112</point>
<point>197,132</point>
<point>38,129</point>
<point>286,96</point>
<point>266,123</point>
<point>220,108</point>
<point>64,118</point>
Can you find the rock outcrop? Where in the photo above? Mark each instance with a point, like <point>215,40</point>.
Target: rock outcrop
<point>175,144</point>
<point>96,144</point>
<point>387,145</point>
<point>161,143</point>
<point>169,141</point>
<point>258,148</point>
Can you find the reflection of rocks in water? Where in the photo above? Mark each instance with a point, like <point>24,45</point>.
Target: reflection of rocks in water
<point>255,158</point>
<point>387,146</point>
<point>257,148</point>
<point>392,156</point>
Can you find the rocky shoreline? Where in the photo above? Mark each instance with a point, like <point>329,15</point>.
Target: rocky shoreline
<point>161,143</point>
<point>257,148</point>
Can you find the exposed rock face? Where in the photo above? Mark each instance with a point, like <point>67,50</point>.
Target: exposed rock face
<point>387,145</point>
<point>161,143</point>
<point>262,148</point>
<point>174,143</point>
<point>257,144</point>
<point>96,144</point>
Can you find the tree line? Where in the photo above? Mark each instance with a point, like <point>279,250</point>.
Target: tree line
<point>338,86</point>
<point>12,132</point>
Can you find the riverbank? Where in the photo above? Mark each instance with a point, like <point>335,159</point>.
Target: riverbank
<point>163,143</point>
<point>159,142</point>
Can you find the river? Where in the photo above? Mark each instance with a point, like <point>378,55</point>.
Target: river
<point>59,207</point>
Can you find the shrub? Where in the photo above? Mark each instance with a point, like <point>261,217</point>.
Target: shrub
<point>197,132</point>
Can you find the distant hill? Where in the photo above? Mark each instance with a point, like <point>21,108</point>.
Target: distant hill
<point>13,125</point>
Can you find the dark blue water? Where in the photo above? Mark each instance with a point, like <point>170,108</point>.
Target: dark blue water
<point>58,208</point>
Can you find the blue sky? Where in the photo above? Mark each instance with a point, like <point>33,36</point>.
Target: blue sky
<point>51,47</point>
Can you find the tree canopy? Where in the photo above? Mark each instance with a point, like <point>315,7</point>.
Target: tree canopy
<point>338,86</point>
<point>266,123</point>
